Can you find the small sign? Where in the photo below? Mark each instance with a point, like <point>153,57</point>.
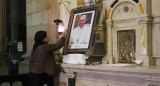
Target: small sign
<point>20,46</point>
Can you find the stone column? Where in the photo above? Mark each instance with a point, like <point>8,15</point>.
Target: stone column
<point>109,59</point>
<point>146,43</point>
<point>14,29</point>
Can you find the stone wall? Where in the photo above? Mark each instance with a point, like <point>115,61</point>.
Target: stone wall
<point>156,31</point>
<point>65,11</point>
<point>40,16</point>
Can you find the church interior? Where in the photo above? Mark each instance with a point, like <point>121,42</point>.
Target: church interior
<point>125,50</point>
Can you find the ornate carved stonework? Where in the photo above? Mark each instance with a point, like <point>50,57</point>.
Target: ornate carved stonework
<point>125,11</point>
<point>145,19</point>
<point>126,46</point>
<point>71,74</point>
<point>127,15</point>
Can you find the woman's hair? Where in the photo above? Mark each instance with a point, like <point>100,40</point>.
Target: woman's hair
<point>38,38</point>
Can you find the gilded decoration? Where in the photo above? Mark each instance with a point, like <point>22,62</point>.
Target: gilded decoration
<point>141,8</point>
<point>109,12</point>
<point>143,37</point>
<point>126,46</point>
<point>80,3</point>
<point>82,41</point>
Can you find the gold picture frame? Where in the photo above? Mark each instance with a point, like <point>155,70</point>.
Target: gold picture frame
<point>80,40</point>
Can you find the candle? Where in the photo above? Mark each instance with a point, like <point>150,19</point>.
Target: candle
<point>61,27</point>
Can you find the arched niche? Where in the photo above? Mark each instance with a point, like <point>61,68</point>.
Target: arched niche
<point>128,33</point>
<point>124,11</point>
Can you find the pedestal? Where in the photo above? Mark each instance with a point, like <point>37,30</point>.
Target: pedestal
<point>71,78</point>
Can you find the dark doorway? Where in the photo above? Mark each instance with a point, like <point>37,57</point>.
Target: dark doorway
<point>15,27</point>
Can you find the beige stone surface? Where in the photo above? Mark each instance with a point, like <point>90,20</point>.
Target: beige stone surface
<point>42,5</point>
<point>64,14</point>
<point>28,0</point>
<point>156,39</point>
<point>157,60</point>
<point>31,7</point>
<point>30,37</point>
<point>40,16</point>
<point>73,4</point>
<point>155,8</point>
<point>37,18</point>
<point>43,27</point>
<point>52,33</point>
<point>29,20</point>
<point>53,15</point>
<point>45,18</point>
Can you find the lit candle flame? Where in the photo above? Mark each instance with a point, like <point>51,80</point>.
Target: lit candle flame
<point>61,27</point>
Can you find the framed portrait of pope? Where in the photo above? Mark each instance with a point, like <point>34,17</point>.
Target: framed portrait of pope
<point>81,30</point>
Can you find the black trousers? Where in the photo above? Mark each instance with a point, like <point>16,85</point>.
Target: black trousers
<point>40,79</point>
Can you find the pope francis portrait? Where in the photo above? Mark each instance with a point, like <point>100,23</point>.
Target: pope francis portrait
<point>80,36</point>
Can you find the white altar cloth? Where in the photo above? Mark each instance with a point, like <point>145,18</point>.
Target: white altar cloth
<point>75,59</point>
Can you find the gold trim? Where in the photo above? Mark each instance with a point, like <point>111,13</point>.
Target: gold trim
<point>97,9</point>
<point>119,0</point>
<point>80,3</point>
<point>109,12</point>
<point>141,8</point>
<point>143,39</point>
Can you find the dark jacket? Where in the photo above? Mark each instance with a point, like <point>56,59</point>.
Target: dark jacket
<point>42,58</point>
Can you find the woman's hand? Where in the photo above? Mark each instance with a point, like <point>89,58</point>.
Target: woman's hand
<point>64,34</point>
